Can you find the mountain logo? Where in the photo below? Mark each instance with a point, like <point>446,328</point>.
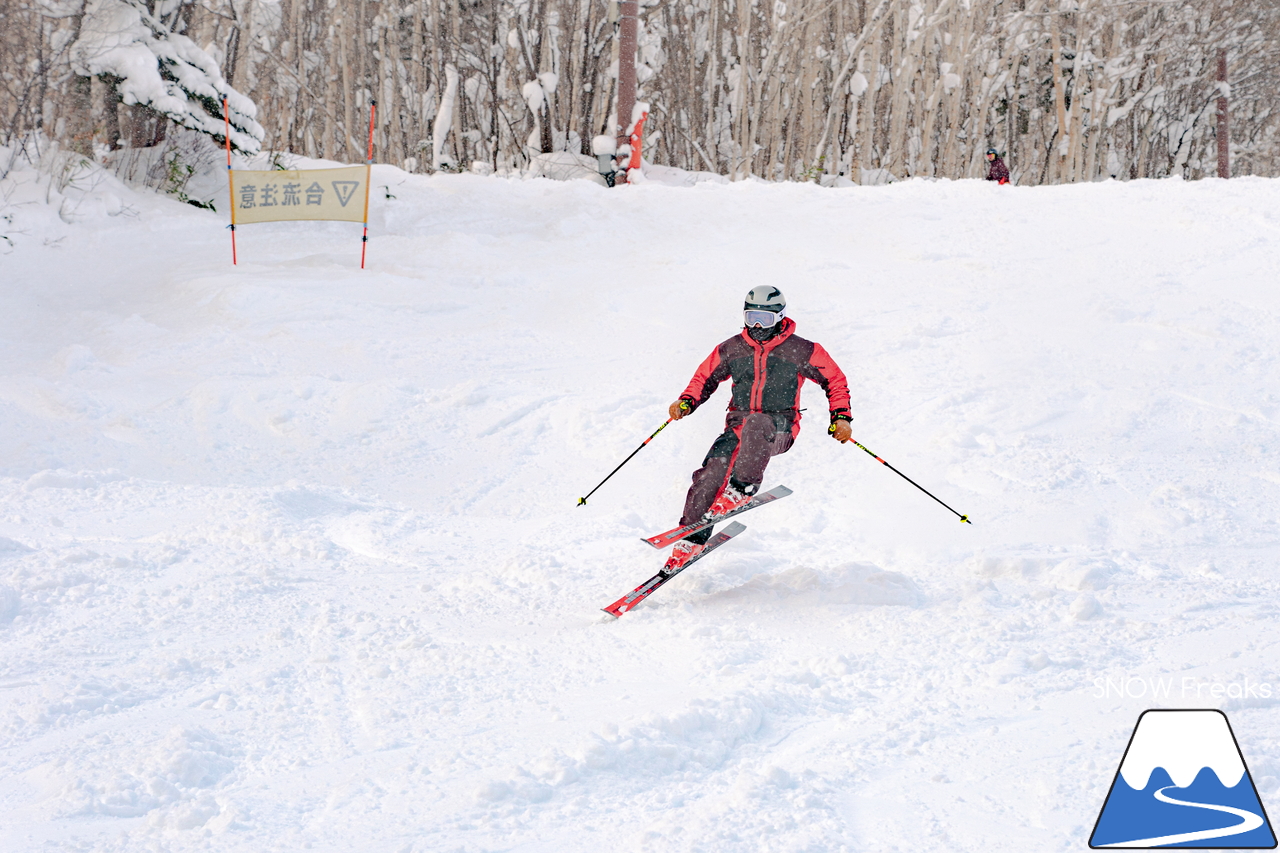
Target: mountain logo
<point>1183,783</point>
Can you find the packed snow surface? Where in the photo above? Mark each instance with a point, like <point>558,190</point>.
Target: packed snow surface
<point>290,556</point>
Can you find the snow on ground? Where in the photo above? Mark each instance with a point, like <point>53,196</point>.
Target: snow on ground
<point>290,557</point>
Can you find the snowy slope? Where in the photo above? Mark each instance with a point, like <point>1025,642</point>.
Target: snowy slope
<point>291,557</point>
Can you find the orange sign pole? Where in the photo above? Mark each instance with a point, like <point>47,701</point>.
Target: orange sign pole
<point>231,190</point>
<point>364,240</point>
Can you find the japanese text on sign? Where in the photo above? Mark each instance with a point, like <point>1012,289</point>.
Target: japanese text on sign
<point>332,194</point>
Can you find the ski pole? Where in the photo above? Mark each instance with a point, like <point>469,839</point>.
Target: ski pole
<point>963,518</point>
<point>583,501</point>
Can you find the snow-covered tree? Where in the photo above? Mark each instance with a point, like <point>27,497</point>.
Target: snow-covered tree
<point>153,66</point>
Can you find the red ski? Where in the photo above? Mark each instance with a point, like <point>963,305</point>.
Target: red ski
<point>640,593</point>
<point>663,540</point>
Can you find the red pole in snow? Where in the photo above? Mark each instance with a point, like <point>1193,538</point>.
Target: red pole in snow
<point>231,190</point>
<point>627,10</point>
<point>368,176</point>
<point>1224,142</point>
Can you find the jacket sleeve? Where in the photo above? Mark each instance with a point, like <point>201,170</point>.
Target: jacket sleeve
<point>706,379</point>
<point>831,378</point>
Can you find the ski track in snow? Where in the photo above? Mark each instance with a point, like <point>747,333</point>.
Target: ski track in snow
<point>1248,822</point>
<point>290,557</point>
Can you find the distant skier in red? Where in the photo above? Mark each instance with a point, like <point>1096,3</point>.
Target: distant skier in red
<point>998,172</point>
<point>768,362</point>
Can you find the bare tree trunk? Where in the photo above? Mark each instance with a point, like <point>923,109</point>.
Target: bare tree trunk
<point>713,85</point>
<point>455,41</point>
<point>963,65</point>
<point>1224,141</point>
<point>866,147</point>
<point>742,155</point>
<point>346,39</point>
<point>1074,147</point>
<point>108,88</point>
<point>906,43</point>
<point>1059,152</point>
<point>628,9</point>
<point>79,105</point>
<point>933,94</point>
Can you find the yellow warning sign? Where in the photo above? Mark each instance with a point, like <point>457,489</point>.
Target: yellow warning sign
<point>335,194</point>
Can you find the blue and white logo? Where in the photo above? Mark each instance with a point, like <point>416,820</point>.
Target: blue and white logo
<point>1183,783</point>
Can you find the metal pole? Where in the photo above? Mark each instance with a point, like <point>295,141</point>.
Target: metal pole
<point>627,9</point>
<point>963,518</point>
<point>583,501</point>
<point>1224,140</point>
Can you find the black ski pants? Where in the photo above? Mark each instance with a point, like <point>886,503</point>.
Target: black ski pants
<point>742,452</point>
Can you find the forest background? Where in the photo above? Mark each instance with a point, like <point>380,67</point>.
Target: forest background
<point>871,90</point>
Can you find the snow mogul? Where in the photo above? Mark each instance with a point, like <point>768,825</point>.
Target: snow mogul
<point>768,363</point>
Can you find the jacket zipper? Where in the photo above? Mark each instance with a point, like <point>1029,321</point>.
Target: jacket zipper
<point>757,389</point>
<point>760,363</point>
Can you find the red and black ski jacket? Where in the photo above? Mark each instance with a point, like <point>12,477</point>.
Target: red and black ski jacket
<point>767,376</point>
<point>998,172</point>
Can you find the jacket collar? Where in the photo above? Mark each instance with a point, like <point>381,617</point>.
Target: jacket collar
<point>788,327</point>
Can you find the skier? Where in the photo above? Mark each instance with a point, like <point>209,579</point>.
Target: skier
<point>768,363</point>
<point>999,172</point>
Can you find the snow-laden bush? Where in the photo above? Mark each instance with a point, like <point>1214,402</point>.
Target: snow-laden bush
<point>162,70</point>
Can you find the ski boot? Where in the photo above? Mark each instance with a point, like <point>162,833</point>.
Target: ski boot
<point>733,495</point>
<point>681,553</point>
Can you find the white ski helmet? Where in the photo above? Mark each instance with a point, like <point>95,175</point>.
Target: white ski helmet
<point>765,306</point>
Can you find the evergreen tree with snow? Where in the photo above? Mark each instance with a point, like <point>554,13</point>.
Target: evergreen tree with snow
<point>138,48</point>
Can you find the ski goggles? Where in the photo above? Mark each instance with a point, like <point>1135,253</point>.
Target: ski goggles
<point>765,319</point>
